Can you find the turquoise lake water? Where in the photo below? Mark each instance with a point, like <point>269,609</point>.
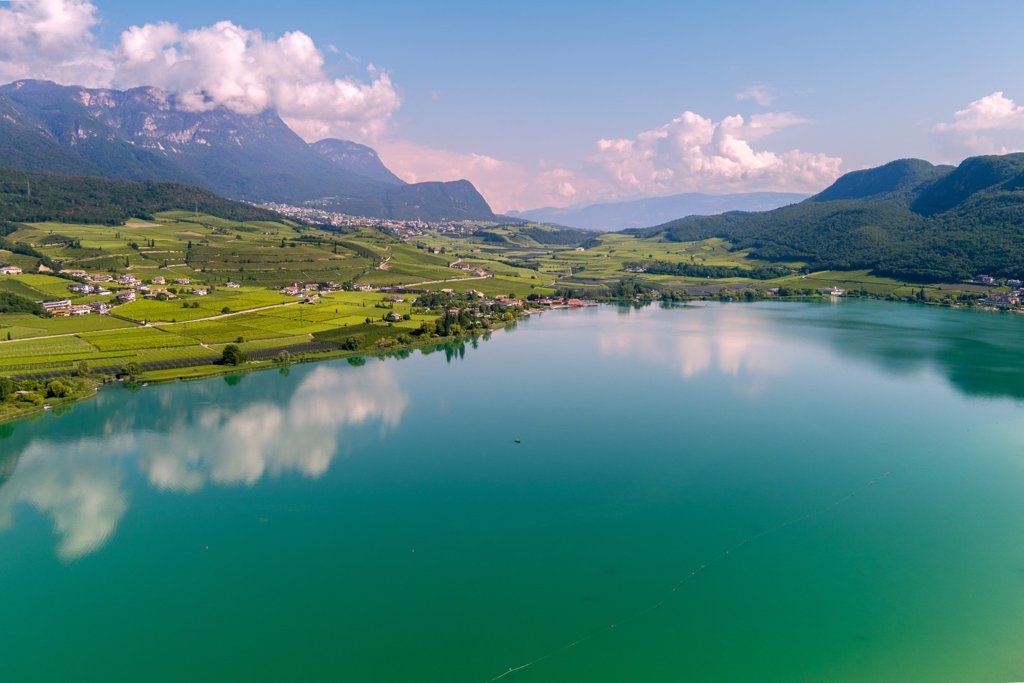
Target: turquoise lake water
<point>579,479</point>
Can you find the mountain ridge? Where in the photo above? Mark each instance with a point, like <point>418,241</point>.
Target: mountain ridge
<point>356,158</point>
<point>143,134</point>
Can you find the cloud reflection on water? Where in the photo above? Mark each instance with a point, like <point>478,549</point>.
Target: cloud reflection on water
<point>730,342</point>
<point>80,484</point>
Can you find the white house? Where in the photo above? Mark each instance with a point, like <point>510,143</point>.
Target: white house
<point>56,305</point>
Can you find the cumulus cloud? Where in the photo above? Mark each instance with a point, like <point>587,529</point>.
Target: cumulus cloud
<point>228,65</point>
<point>993,124</point>
<point>220,65</point>
<point>691,153</point>
<point>248,72</point>
<point>52,39</point>
<point>757,93</point>
<point>696,153</point>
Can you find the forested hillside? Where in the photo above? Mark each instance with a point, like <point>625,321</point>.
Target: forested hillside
<point>906,219</point>
<point>37,197</point>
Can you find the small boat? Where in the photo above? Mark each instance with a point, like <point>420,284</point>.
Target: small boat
<point>517,440</point>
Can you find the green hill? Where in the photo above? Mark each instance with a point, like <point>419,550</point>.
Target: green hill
<point>38,197</point>
<point>896,181</point>
<point>974,175</point>
<point>907,219</point>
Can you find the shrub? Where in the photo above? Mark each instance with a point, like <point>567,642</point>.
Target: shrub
<point>58,389</point>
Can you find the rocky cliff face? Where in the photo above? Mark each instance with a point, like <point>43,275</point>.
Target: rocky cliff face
<point>357,158</point>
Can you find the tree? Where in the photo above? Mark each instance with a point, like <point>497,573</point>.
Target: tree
<point>58,389</point>
<point>82,369</point>
<point>232,355</point>
<point>131,370</point>
<point>7,387</point>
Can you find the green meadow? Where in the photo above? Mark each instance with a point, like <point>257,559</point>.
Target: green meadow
<point>261,257</point>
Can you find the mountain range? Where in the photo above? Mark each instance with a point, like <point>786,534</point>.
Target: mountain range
<point>612,216</point>
<point>908,219</point>
<point>144,134</point>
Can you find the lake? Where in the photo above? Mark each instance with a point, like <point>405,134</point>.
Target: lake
<point>718,492</point>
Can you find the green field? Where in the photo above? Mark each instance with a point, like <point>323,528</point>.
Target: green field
<point>264,256</point>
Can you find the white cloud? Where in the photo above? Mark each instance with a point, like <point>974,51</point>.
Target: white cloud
<point>239,68</point>
<point>691,153</point>
<point>695,153</point>
<point>757,93</point>
<point>992,112</point>
<point>51,39</point>
<point>993,124</point>
<point>220,65</point>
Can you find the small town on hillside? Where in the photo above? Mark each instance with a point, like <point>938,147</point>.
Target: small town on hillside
<point>403,229</point>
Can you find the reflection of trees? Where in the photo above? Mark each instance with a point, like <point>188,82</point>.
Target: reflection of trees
<point>8,462</point>
<point>217,436</point>
<point>978,352</point>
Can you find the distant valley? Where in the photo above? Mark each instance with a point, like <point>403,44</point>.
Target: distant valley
<point>638,213</point>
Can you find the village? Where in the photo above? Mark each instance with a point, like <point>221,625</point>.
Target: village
<point>402,229</point>
<point>127,288</point>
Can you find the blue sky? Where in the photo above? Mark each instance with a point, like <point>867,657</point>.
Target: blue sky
<point>520,93</point>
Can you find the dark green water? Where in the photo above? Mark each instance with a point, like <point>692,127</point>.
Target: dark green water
<point>379,523</point>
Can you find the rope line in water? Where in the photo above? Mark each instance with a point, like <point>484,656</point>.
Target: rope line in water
<point>692,575</point>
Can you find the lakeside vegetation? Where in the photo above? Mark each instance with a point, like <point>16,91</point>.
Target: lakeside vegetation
<point>248,288</point>
<point>184,328</point>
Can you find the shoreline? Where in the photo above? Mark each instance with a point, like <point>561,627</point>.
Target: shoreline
<point>211,371</point>
<point>216,370</point>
